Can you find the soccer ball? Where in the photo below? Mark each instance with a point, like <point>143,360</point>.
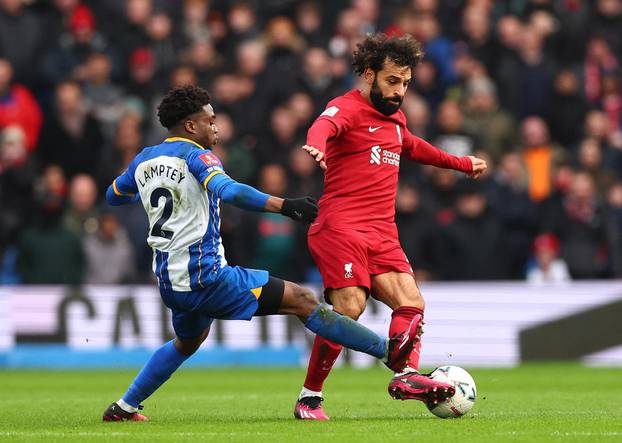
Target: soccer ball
<point>463,400</point>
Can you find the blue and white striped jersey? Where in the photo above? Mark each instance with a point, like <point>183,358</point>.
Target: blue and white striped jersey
<point>184,217</point>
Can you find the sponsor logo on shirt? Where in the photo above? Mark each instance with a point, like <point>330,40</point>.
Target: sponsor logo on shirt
<point>209,159</point>
<point>374,129</point>
<point>331,111</point>
<point>379,155</point>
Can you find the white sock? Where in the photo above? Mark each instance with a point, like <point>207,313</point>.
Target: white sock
<point>406,370</point>
<point>309,393</point>
<point>126,407</point>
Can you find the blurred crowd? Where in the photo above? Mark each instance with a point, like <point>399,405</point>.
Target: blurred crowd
<point>532,86</point>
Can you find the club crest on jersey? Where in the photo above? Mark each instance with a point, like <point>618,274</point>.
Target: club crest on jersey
<point>209,159</point>
<point>348,269</point>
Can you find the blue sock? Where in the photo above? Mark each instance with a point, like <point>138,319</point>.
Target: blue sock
<point>164,361</point>
<point>343,330</point>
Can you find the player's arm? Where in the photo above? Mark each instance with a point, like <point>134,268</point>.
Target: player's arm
<point>123,189</point>
<point>419,150</point>
<point>207,168</point>
<point>328,125</point>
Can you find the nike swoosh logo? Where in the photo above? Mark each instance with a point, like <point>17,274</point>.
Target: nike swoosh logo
<point>374,129</point>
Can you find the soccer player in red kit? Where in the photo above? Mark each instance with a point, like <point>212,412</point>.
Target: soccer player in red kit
<point>359,140</point>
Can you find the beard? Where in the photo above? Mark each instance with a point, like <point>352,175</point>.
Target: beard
<point>384,105</point>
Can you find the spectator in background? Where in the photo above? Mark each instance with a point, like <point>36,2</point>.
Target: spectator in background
<point>195,27</point>
<point>527,83</point>
<point>599,60</point>
<point>131,31</point>
<point>547,267</point>
<point>80,217</point>
<point>416,227</point>
<point>471,246</point>
<point>280,139</point>
<point>47,252</point>
<point>126,144</point>
<point>141,84</point>
<point>511,205</point>
<point>540,155</point>
<point>103,98</point>
<point>316,78</point>
<point>450,133</point>
<point>274,242</point>
<point>476,27</point>
<point>21,38</point>
<point>18,106</point>
<point>304,179</point>
<point>614,227</point>
<point>162,43</point>
<point>109,255</point>
<point>203,58</point>
<point>566,109</point>
<point>54,21</point>
<point>309,22</point>
<point>579,222</point>
<point>608,22</point>
<point>81,39</point>
<point>493,128</point>
<point>71,137</point>
<point>17,174</point>
<point>590,159</point>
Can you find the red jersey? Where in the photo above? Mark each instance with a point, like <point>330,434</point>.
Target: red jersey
<point>363,148</point>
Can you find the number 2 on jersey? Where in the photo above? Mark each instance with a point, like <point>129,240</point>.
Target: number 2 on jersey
<point>157,230</point>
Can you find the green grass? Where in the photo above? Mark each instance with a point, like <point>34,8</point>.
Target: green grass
<point>540,403</point>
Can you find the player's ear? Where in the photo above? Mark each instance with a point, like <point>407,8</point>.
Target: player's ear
<point>369,75</point>
<point>190,126</point>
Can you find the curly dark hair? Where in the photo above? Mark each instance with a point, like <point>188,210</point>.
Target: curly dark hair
<point>376,48</point>
<point>180,102</point>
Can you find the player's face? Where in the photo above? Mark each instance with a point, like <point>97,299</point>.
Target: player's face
<point>205,127</point>
<point>388,87</point>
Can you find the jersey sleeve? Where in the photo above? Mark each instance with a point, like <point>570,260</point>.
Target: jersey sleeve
<point>419,150</point>
<point>123,189</point>
<point>204,166</point>
<point>125,184</point>
<point>337,118</point>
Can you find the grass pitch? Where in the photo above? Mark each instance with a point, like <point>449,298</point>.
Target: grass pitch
<point>535,403</point>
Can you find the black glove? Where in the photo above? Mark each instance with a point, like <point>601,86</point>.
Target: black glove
<point>300,209</point>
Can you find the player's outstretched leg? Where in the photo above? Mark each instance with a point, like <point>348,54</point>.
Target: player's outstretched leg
<point>164,361</point>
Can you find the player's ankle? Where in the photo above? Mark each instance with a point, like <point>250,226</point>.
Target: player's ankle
<point>407,370</point>
<point>309,393</point>
<point>126,406</point>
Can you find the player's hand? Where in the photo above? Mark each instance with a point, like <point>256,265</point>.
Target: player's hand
<point>300,209</point>
<point>316,154</point>
<point>479,166</point>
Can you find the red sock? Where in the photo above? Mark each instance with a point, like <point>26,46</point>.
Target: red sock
<point>400,321</point>
<point>323,357</point>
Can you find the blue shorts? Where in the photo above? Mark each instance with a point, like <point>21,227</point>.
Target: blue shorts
<point>232,296</point>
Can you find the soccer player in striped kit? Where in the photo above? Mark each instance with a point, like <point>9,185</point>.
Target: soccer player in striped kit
<point>180,183</point>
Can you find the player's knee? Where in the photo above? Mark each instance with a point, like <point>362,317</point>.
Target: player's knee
<point>306,302</point>
<point>188,346</point>
<point>350,308</point>
<point>414,298</point>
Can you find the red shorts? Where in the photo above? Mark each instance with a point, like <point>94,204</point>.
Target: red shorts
<point>346,257</point>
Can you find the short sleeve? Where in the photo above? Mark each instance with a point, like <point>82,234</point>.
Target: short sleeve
<point>204,165</point>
